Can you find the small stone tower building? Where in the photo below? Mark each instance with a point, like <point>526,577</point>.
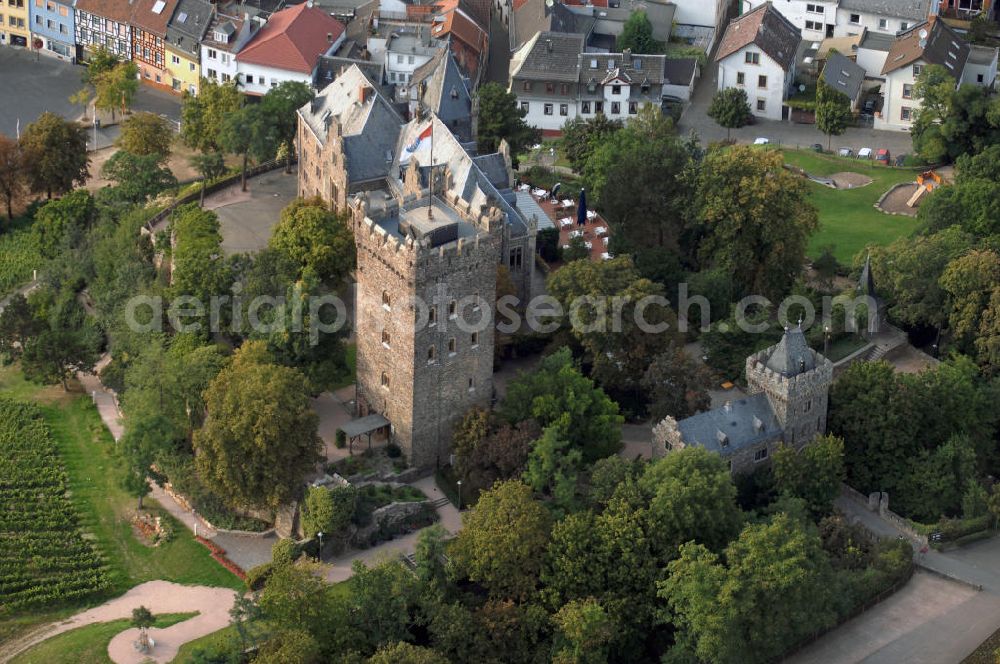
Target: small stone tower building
<point>788,387</point>
<point>796,380</point>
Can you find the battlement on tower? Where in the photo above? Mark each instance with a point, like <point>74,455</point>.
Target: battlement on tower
<point>758,373</point>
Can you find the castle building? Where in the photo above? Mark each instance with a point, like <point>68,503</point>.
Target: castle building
<point>432,222</point>
<point>788,387</point>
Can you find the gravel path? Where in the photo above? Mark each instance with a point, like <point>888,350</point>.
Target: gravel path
<point>213,605</point>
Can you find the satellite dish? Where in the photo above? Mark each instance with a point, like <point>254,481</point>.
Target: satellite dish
<point>549,3</point>
<point>802,87</point>
<point>923,34</point>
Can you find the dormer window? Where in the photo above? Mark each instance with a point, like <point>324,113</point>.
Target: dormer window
<point>220,37</point>
<point>636,63</point>
<point>611,64</point>
<point>593,63</point>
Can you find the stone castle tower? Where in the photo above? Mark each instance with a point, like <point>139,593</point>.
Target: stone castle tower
<point>424,357</point>
<point>796,380</point>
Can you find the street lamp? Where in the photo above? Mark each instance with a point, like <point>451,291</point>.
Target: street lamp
<point>459,495</point>
<point>320,536</point>
<point>826,341</point>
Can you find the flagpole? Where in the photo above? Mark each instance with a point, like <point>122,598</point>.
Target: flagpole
<point>430,180</point>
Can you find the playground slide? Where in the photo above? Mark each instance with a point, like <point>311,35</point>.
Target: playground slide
<point>916,196</point>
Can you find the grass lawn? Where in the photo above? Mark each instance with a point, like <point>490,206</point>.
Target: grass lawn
<point>88,452</point>
<point>848,220</point>
<point>87,645</point>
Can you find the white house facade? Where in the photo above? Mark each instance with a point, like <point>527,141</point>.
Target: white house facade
<point>886,16</point>
<point>757,54</point>
<point>816,19</point>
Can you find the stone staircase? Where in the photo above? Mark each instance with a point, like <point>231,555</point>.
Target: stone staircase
<point>440,502</point>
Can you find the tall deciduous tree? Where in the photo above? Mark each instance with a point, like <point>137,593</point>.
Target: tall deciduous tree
<point>115,88</point>
<point>55,153</point>
<point>316,239</point>
<point>259,439</point>
<point>813,474</point>
<point>557,387</point>
<point>833,112</point>
<point>328,511</point>
<point>756,219</point>
<point>585,632</point>
<point>637,35</point>
<point>56,355</point>
<point>202,116</point>
<point>145,134</point>
<point>12,166</point>
<point>210,165</point>
<point>730,109</point>
<point>502,541</point>
<point>243,132</point>
<point>279,108</point>
<point>501,119</point>
<point>137,178</point>
<point>62,224</point>
<point>677,385</point>
<point>773,590</point>
<point>580,138</point>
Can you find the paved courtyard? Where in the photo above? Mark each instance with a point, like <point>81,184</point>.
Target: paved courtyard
<point>784,133</point>
<point>248,217</point>
<point>33,86</point>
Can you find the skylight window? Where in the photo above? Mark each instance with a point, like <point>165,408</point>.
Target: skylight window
<point>182,17</point>
<point>158,7</point>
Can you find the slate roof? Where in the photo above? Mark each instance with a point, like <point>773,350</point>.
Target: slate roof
<point>917,10</point>
<point>727,430</point>
<point>370,129</point>
<point>843,75</point>
<point>551,56</point>
<point>445,92</point>
<point>292,39</point>
<point>562,19</point>
<point>634,68</point>
<point>188,25</point>
<point>943,46</point>
<point>766,28</point>
<point>792,355</point>
<point>117,10</point>
<point>145,16</point>
<point>679,71</point>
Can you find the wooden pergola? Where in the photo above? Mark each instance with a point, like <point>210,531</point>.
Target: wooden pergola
<point>363,426</point>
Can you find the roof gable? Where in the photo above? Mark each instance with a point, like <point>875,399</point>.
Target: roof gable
<point>934,42</point>
<point>293,39</point>
<point>153,15</point>
<point>766,29</point>
<point>843,75</point>
<point>551,56</point>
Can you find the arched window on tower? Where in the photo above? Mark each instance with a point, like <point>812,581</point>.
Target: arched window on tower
<point>385,380</point>
<point>386,300</point>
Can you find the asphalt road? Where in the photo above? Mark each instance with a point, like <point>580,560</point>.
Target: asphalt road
<point>32,87</point>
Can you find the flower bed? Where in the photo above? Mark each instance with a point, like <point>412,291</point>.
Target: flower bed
<point>219,555</point>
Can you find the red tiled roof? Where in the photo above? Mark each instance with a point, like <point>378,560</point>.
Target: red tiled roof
<point>152,21</point>
<point>766,28</point>
<point>293,39</point>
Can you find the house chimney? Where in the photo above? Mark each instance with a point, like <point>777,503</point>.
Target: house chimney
<point>728,406</point>
<point>329,38</point>
<point>362,94</point>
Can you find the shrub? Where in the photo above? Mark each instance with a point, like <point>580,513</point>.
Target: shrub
<point>256,578</point>
<point>341,440</point>
<point>285,552</point>
<point>393,451</point>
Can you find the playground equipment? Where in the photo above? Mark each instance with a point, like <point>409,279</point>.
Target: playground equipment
<point>926,181</point>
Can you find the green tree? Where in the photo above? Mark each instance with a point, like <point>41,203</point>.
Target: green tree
<point>297,598</point>
<point>406,653</point>
<point>952,121</point>
<point>693,498</point>
<point>143,619</point>
<point>210,165</point>
<point>328,511</point>
<point>17,326</point>
<point>502,541</point>
<point>100,61</point>
<point>144,134</point>
<point>138,178</point>
<point>115,88</point>
<point>637,35</point>
<point>500,119</point>
<point>969,281</point>
<point>203,115</point>
<point>553,465</point>
<point>63,223</point>
<point>556,388</point>
<point>292,646</point>
<point>581,137</point>
<point>730,109</point>
<point>677,385</point>
<point>260,438</point>
<point>380,600</point>
<point>813,473</point>
<point>278,108</point>
<point>243,132</point>
<point>316,239</point>
<point>719,609</point>
<point>55,154</point>
<point>585,631</point>
<point>199,268</point>
<point>12,165</point>
<point>756,219</point>
<point>833,112</point>
<point>145,441</point>
<point>576,250</point>
<point>57,355</point>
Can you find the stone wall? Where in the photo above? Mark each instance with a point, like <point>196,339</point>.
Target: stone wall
<point>799,402</point>
<point>420,394</point>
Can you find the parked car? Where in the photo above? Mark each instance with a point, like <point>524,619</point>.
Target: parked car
<point>760,140</point>
<point>865,153</point>
<point>901,159</point>
<point>882,156</point>
<point>817,147</point>
<point>845,152</point>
